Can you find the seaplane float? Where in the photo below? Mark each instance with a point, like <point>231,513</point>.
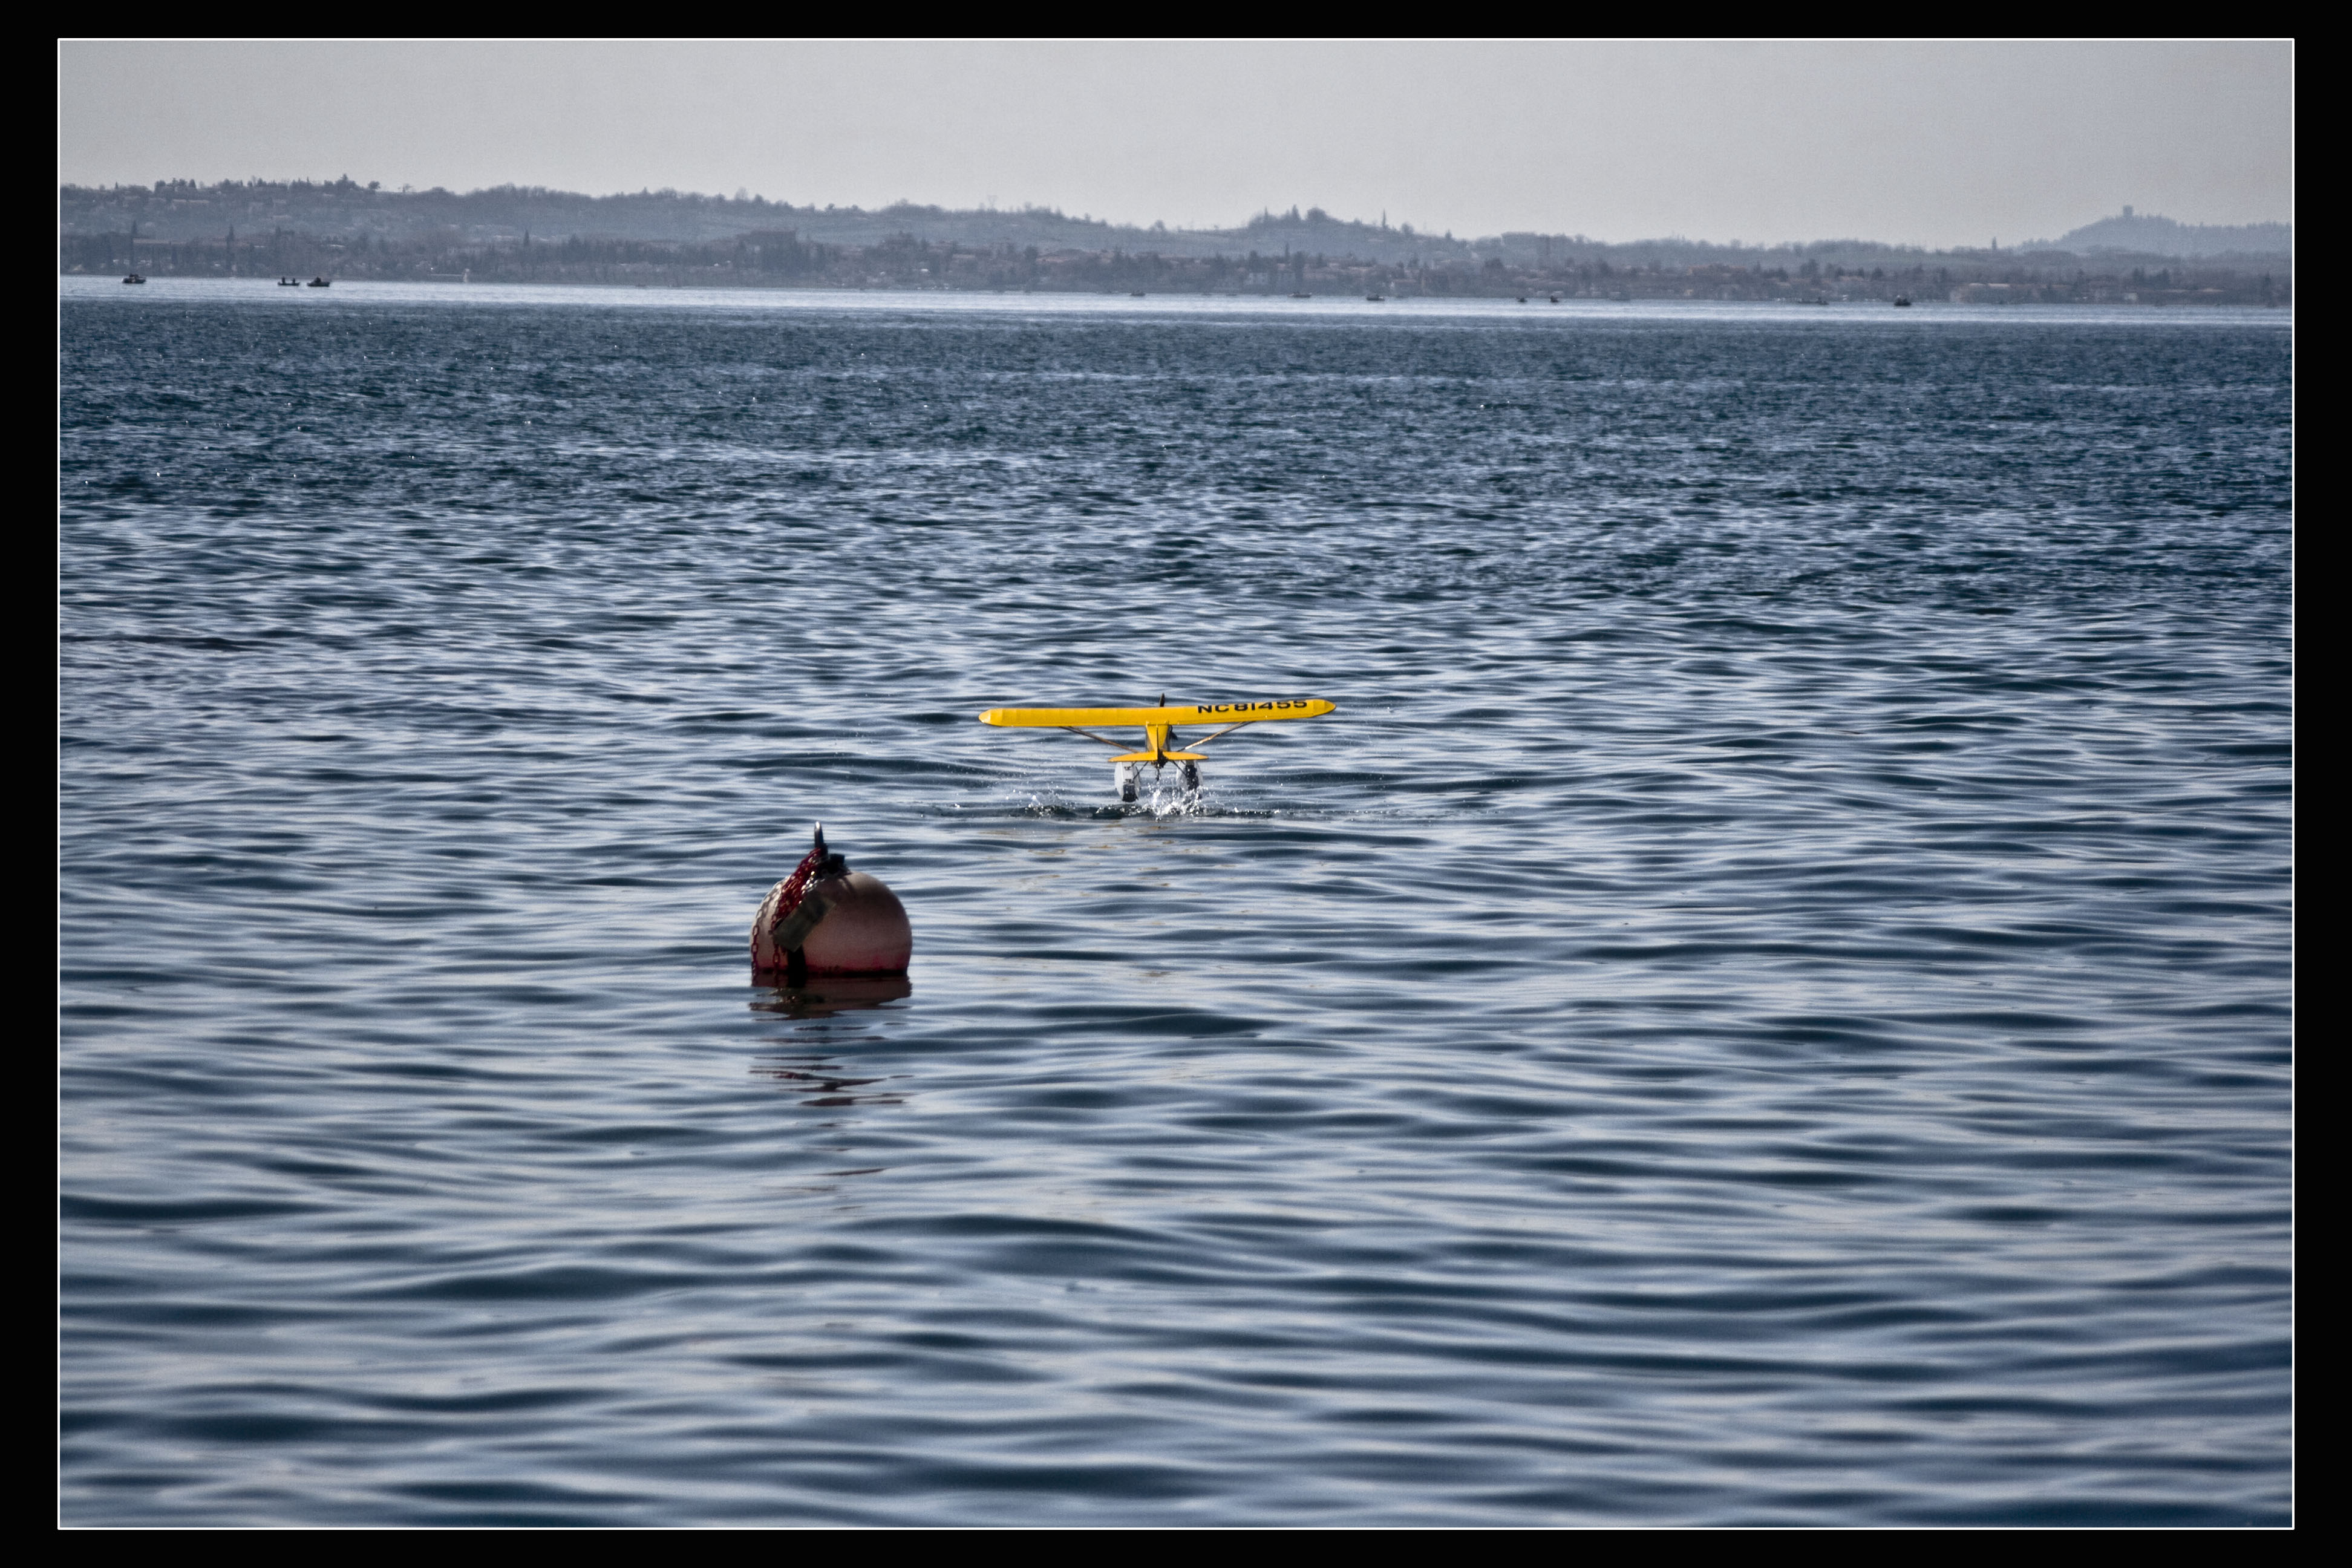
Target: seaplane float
<point>1161,744</point>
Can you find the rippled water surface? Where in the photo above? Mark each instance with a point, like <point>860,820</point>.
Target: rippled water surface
<point>1766,1003</point>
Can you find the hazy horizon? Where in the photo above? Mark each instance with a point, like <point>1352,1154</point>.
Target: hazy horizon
<point>1940,145</point>
<point>1239,226</point>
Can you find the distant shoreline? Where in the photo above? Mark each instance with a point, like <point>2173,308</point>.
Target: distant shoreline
<point>345,230</point>
<point>783,262</point>
<point>2204,287</point>
<point>1258,297</point>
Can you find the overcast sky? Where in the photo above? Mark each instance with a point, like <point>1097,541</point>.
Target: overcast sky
<point>1924,143</point>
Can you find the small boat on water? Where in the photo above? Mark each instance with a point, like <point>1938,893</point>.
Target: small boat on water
<point>1375,299</point>
<point>1302,296</point>
<point>134,278</point>
<point>290,283</point>
<point>319,283</point>
<point>1901,302</point>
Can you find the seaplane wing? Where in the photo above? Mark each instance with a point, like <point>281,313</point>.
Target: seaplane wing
<point>1159,726</point>
<point>1191,715</point>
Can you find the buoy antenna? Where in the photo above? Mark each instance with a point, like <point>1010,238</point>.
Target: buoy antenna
<point>820,838</point>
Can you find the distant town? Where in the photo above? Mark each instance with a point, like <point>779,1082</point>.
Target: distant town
<point>341,229</point>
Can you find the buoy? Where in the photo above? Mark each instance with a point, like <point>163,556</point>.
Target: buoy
<point>825,919</point>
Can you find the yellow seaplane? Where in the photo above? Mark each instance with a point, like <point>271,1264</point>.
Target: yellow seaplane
<point>1161,746</point>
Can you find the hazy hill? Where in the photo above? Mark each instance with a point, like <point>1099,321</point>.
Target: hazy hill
<point>2145,234</point>
<point>345,211</point>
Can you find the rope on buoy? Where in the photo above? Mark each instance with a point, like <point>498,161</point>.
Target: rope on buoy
<point>796,910</point>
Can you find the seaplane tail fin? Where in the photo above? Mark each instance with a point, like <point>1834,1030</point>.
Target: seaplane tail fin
<point>1191,714</point>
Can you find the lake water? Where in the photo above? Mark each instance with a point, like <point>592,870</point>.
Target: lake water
<point>1768,1002</point>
